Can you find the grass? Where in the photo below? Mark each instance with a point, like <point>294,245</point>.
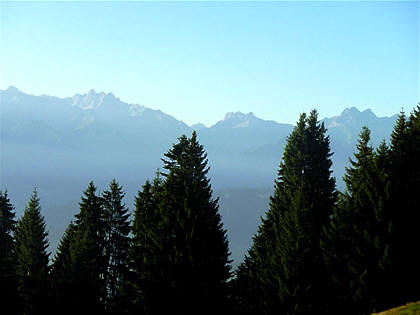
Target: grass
<point>409,309</point>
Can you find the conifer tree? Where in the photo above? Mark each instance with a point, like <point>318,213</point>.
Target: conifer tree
<point>196,244</point>
<point>62,257</point>
<point>252,295</point>
<point>32,259</point>
<point>359,245</point>
<point>180,238</point>
<point>7,228</point>
<point>62,273</point>
<point>147,283</point>
<point>284,266</point>
<point>8,289</point>
<point>384,298</point>
<point>405,200</point>
<point>116,243</point>
<point>84,275</point>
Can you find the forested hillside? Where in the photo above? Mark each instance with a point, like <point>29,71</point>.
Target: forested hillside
<point>317,250</point>
<point>60,144</point>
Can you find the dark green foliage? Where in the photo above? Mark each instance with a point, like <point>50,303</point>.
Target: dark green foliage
<point>359,249</point>
<point>62,258</point>
<point>32,259</point>
<point>62,273</point>
<point>8,288</point>
<point>284,267</point>
<point>196,244</point>
<point>91,262</point>
<point>79,265</point>
<point>250,294</point>
<point>7,227</point>
<point>87,253</point>
<point>314,252</point>
<point>116,243</point>
<point>405,188</point>
<point>180,251</point>
<point>147,258</point>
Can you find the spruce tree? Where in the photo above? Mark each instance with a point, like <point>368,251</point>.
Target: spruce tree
<point>384,298</point>
<point>285,266</point>
<point>62,273</point>
<point>7,228</point>
<point>32,259</point>
<point>359,246</point>
<point>254,286</point>
<point>196,244</point>
<point>8,288</point>
<point>180,245</point>
<point>62,257</point>
<point>405,200</point>
<point>83,246</point>
<point>116,243</point>
<point>147,284</point>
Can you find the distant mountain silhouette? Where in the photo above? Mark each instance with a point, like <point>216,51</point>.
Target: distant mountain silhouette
<point>59,144</point>
<point>93,121</point>
<point>198,126</point>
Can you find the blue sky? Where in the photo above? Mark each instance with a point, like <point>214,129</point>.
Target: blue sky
<point>199,60</point>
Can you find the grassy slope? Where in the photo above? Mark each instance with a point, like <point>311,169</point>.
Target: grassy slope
<point>409,309</point>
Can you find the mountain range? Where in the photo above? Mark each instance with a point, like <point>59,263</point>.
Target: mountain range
<point>60,144</point>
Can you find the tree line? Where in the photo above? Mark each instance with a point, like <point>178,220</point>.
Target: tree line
<point>316,251</point>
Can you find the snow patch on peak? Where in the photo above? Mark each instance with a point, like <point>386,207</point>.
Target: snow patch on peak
<point>91,100</point>
<point>239,116</point>
<point>136,110</point>
<point>237,120</point>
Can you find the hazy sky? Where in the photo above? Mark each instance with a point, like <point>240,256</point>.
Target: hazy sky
<point>199,60</point>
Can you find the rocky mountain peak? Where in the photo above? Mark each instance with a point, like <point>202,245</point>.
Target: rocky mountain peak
<point>12,89</point>
<point>239,116</point>
<point>92,99</point>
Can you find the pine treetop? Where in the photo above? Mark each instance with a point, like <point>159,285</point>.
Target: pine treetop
<point>31,238</point>
<point>7,225</point>
<point>284,265</point>
<point>89,217</point>
<point>398,134</point>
